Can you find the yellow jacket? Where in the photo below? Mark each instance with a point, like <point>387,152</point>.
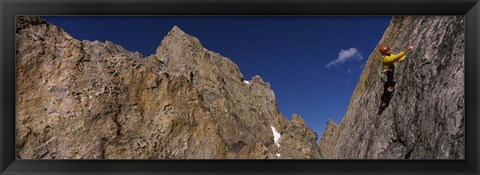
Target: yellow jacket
<point>388,60</point>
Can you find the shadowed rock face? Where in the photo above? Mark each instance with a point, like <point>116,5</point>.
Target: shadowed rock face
<point>425,119</point>
<point>93,100</point>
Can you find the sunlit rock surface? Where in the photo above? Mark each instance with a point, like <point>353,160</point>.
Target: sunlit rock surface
<point>96,100</point>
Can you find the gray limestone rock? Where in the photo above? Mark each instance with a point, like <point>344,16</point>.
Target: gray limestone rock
<point>425,119</point>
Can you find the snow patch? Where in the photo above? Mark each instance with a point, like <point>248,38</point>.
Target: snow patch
<point>278,154</point>
<point>246,82</point>
<point>276,136</point>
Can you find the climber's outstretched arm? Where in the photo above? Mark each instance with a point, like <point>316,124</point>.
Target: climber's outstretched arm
<point>406,51</point>
<point>392,58</point>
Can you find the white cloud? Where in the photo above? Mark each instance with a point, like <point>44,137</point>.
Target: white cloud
<point>345,55</point>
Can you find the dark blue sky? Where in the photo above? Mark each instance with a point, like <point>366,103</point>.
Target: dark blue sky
<point>312,63</point>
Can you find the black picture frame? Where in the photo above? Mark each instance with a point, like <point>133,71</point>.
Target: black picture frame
<point>10,8</point>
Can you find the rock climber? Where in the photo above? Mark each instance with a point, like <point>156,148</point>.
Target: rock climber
<point>388,68</point>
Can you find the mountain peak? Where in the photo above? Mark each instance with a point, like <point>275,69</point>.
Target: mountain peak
<point>184,103</point>
<point>298,121</point>
<point>329,138</point>
<point>331,122</point>
<point>176,30</point>
<point>176,37</point>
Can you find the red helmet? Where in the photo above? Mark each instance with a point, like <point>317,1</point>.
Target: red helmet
<point>384,49</point>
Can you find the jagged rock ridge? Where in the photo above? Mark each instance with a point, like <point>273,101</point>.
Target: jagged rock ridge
<point>329,138</point>
<point>93,100</point>
<point>425,119</point>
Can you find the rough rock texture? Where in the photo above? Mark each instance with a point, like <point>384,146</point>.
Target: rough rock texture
<point>290,147</point>
<point>329,138</point>
<point>93,100</point>
<point>425,119</point>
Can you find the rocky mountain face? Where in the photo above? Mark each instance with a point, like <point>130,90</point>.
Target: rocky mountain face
<point>93,100</point>
<point>328,140</point>
<point>425,119</point>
